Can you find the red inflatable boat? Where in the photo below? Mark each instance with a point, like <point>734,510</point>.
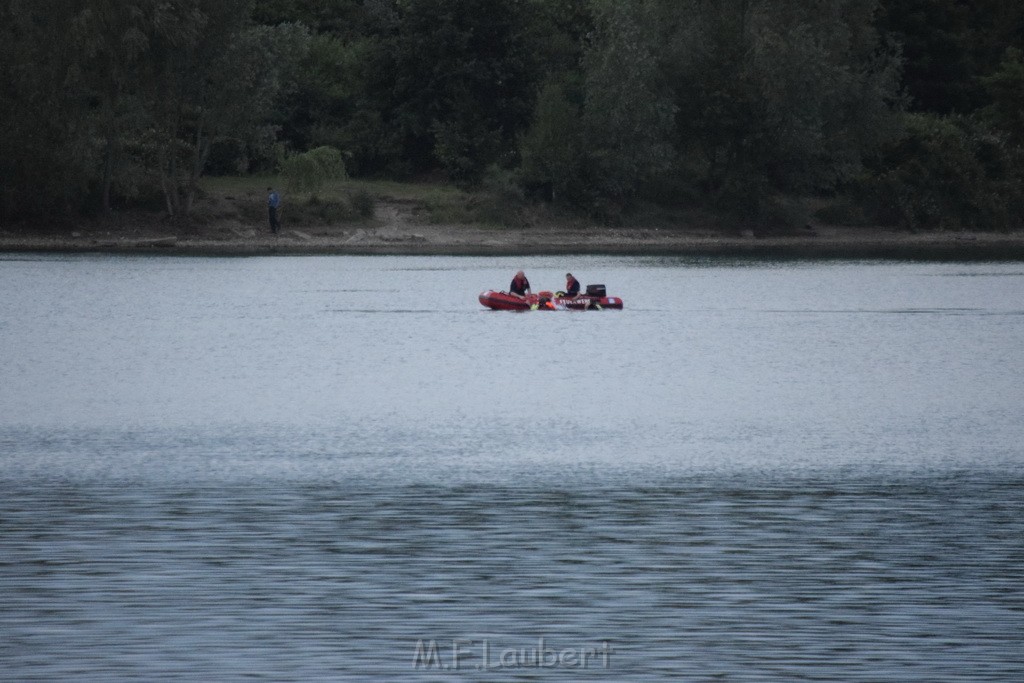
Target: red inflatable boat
<point>593,300</point>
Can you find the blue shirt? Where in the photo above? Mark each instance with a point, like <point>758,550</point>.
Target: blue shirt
<point>273,200</point>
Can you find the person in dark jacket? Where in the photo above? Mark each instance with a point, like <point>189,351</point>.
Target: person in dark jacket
<point>572,285</point>
<point>520,285</point>
<point>273,202</point>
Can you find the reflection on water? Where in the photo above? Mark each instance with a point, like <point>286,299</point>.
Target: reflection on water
<point>318,468</point>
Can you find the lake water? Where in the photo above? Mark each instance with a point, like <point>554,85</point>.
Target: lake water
<point>344,468</point>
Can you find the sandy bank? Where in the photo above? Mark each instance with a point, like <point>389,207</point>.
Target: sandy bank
<point>392,232</point>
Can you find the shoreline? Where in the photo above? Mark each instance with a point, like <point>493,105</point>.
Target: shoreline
<point>402,237</point>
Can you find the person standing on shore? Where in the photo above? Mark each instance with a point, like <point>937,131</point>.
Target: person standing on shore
<point>273,201</point>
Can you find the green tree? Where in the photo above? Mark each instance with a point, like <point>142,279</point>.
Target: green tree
<point>934,39</point>
<point>44,110</point>
<point>318,106</point>
<point>454,82</point>
<point>211,74</point>
<point>113,37</point>
<point>557,32</point>
<point>780,99</point>
<point>328,102</point>
<point>628,112</point>
<point>552,150</point>
<point>405,86</point>
<point>1006,90</point>
<point>948,45</point>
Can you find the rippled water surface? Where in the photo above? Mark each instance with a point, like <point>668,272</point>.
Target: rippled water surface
<point>344,468</point>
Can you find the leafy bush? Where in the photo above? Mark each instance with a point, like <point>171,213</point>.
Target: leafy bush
<point>948,173</point>
<point>501,183</point>
<point>307,172</point>
<point>317,210</point>
<point>322,211</point>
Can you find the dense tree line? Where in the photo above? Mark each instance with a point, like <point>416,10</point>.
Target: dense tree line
<point>910,109</point>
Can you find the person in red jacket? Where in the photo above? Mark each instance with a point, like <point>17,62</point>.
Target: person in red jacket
<point>572,285</point>
<point>520,285</point>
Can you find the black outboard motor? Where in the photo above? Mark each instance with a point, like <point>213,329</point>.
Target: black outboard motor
<point>596,290</point>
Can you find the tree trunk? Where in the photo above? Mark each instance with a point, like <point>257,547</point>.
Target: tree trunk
<point>200,153</point>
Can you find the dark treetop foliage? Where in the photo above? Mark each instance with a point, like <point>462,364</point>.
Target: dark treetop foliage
<point>593,103</point>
